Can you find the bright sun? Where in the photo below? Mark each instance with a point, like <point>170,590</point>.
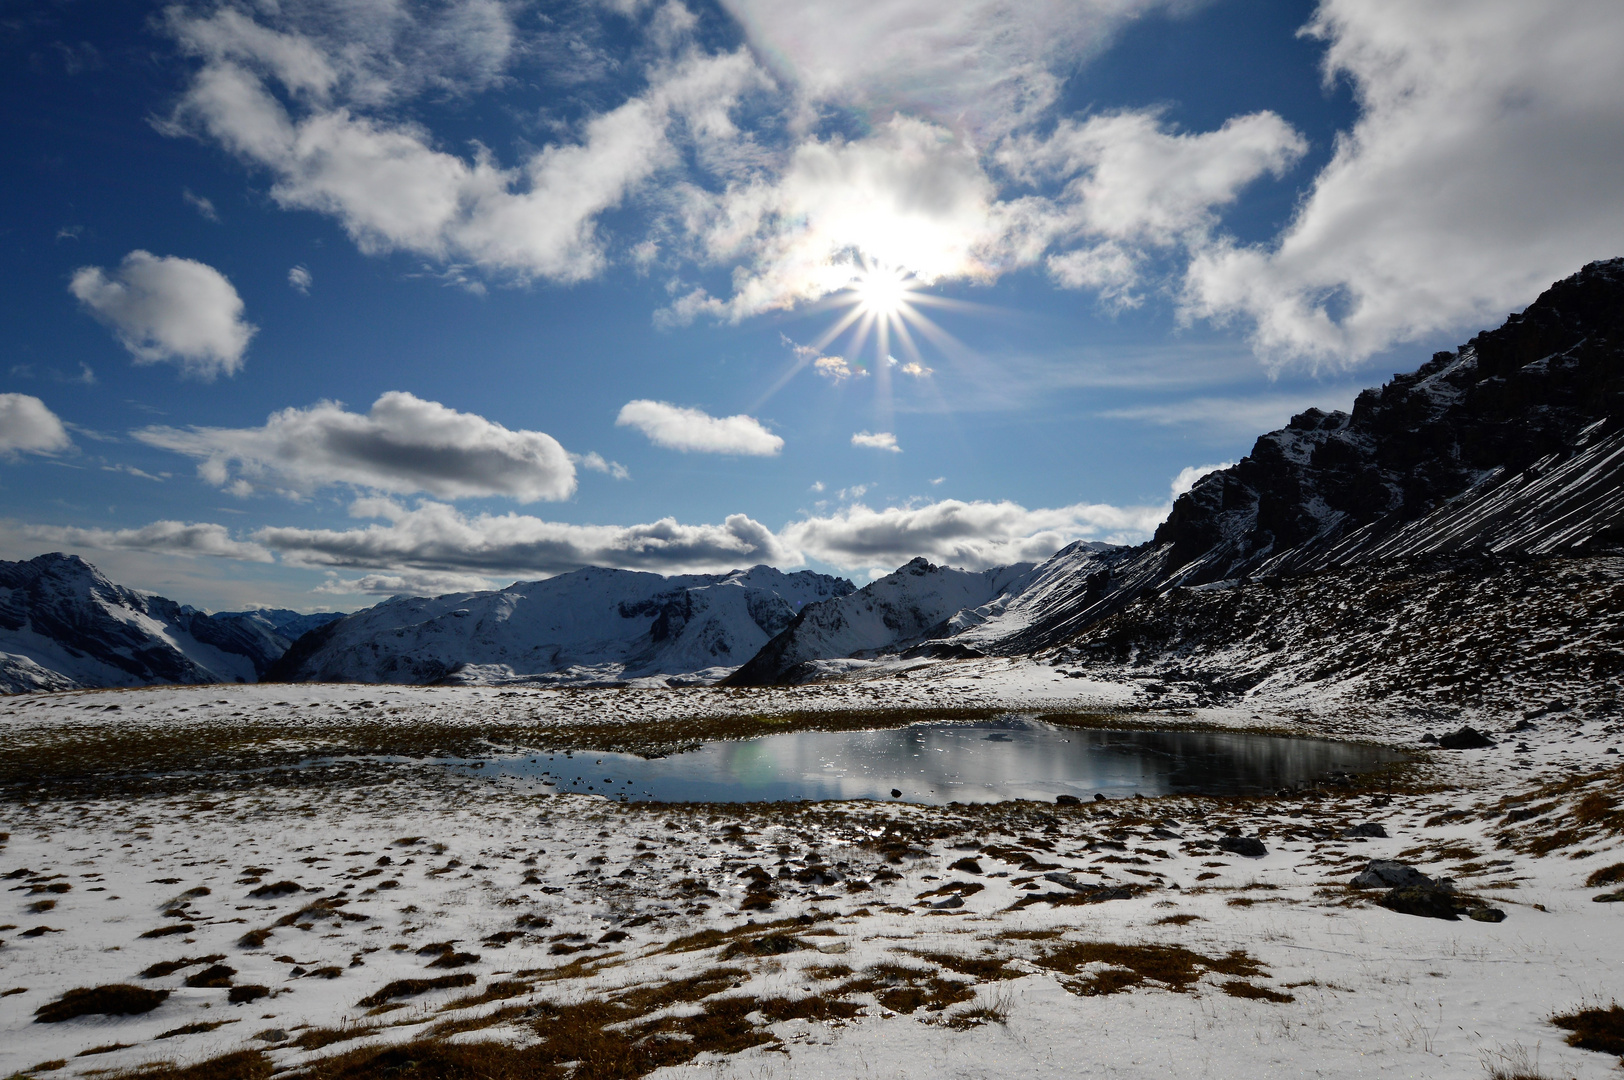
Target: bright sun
<point>881,292</point>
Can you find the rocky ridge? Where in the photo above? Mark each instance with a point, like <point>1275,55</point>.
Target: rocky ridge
<point>65,626</point>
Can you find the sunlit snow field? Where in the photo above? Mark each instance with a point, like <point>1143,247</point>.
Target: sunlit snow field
<point>329,857</point>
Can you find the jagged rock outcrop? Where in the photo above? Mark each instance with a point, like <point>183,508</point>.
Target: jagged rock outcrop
<point>65,626</point>
<point>591,626</point>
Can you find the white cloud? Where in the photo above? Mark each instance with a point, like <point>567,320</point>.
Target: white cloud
<point>598,463</point>
<point>201,204</point>
<point>435,537</point>
<point>973,535</point>
<point>1235,417</point>
<point>1187,477</point>
<point>408,583</point>
<point>912,368</point>
<point>299,279</point>
<point>987,63</point>
<point>162,537</point>
<point>695,431</point>
<point>389,185</point>
<point>836,369</point>
<point>27,426</point>
<point>403,445</point>
<point>1484,165</point>
<point>169,309</point>
<point>878,440</point>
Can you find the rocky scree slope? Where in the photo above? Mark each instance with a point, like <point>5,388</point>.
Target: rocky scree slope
<point>1513,445</point>
<point>592,626</point>
<point>64,626</point>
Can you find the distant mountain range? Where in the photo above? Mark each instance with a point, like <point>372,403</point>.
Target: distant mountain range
<point>64,626</point>
<point>589,626</point>
<point>1462,528</point>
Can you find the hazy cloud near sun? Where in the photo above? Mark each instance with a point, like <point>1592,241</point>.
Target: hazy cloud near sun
<point>27,426</point>
<point>169,309</point>
<point>696,431</point>
<point>403,445</point>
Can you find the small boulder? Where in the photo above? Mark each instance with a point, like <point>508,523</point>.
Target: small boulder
<point>1249,846</point>
<point>1372,829</point>
<point>1608,898</point>
<point>1391,874</point>
<point>1486,914</point>
<point>1068,800</point>
<point>1467,738</point>
<point>1428,901</point>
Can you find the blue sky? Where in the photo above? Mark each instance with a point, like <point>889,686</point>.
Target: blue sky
<point>312,302</point>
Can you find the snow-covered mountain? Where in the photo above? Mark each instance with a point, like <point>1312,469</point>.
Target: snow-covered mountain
<point>589,626</point>
<point>916,603</point>
<point>64,626</point>
<point>1512,445</point>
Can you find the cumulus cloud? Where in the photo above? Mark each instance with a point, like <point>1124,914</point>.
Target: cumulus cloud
<point>598,463</point>
<point>973,535</point>
<point>403,445</point>
<point>161,537</point>
<point>877,440</point>
<point>983,62</point>
<point>1091,200</point>
<point>1483,166</point>
<point>169,309</point>
<point>393,189</point>
<point>435,537</point>
<point>299,279</point>
<point>695,431</point>
<point>28,427</point>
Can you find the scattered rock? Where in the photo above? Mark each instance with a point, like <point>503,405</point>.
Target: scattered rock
<point>1391,874</point>
<point>1429,901</point>
<point>273,1035</point>
<point>1249,846</point>
<point>953,901</point>
<point>242,995</point>
<point>1467,738</point>
<point>1608,898</point>
<point>1068,800</point>
<point>967,865</point>
<point>1372,829</point>
<point>1486,914</point>
<point>896,793</point>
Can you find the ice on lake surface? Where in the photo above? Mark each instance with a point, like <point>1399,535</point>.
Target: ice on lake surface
<point>989,761</point>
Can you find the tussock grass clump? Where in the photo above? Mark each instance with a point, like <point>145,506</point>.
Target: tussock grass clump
<point>169,967</point>
<point>1595,1029</point>
<point>116,999</point>
<point>242,1065</point>
<point>1607,875</point>
<point>1106,968</point>
<point>412,987</point>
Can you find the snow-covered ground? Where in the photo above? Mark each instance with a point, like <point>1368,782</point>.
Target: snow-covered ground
<point>788,940</point>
